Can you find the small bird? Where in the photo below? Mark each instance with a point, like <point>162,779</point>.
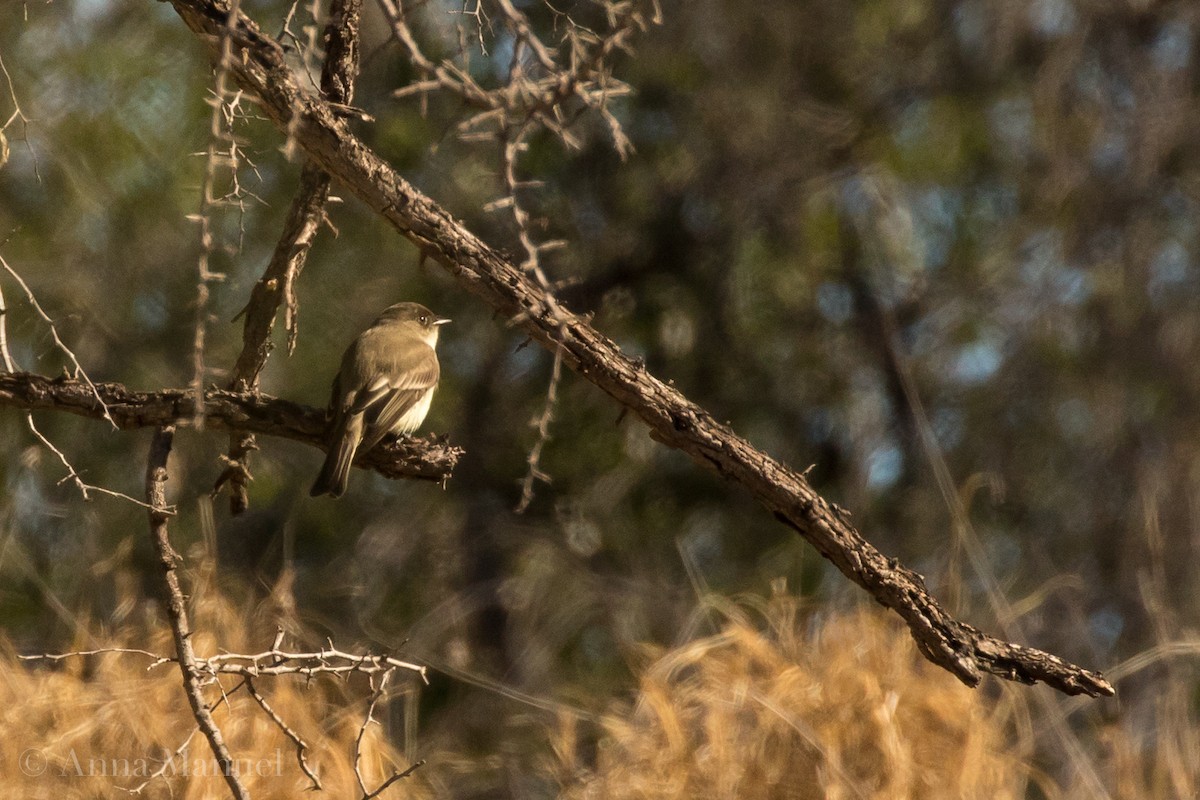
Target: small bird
<point>385,385</point>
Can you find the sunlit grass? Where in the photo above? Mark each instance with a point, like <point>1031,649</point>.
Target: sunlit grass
<point>89,727</point>
<point>776,702</point>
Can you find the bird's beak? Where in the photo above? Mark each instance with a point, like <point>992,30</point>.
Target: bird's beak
<point>440,321</point>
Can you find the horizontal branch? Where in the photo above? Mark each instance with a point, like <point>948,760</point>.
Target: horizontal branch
<point>259,67</point>
<point>326,661</point>
<point>429,458</point>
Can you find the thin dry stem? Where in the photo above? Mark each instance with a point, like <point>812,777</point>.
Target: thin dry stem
<point>17,114</point>
<point>10,366</point>
<point>156,478</point>
<point>79,372</point>
<point>301,745</point>
<point>395,776</point>
<point>964,530</point>
<point>379,691</point>
<point>167,765</point>
<point>541,423</point>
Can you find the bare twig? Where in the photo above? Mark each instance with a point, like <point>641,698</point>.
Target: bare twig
<point>85,488</point>
<point>79,372</point>
<point>576,68</point>
<point>167,765</point>
<point>17,114</point>
<point>395,776</point>
<point>10,366</point>
<point>327,661</point>
<point>156,496</point>
<point>533,265</point>
<point>301,745</point>
<point>99,651</point>
<point>673,419</point>
<point>379,691</point>
<point>541,424</point>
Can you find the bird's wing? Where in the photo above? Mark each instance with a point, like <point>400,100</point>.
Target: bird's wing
<point>368,396</point>
<point>399,396</point>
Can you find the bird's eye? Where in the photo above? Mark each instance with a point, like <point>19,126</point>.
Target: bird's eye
<point>424,320</point>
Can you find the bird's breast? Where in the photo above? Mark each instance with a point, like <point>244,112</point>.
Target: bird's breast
<point>411,420</point>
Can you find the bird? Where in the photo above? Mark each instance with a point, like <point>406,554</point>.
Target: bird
<point>385,385</point>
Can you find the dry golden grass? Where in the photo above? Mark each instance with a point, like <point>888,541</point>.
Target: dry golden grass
<point>767,710</point>
<point>90,726</point>
<point>773,705</point>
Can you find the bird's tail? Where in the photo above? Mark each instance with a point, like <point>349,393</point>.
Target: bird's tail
<point>335,472</point>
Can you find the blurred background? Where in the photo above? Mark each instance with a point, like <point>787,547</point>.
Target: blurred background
<point>944,251</point>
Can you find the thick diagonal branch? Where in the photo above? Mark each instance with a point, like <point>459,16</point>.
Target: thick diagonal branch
<point>671,417</point>
<point>277,286</point>
<point>156,496</point>
<point>427,458</point>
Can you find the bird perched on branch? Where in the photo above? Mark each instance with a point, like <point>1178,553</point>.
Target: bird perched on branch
<point>385,385</point>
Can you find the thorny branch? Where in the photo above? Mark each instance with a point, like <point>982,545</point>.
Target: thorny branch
<point>547,87</point>
<point>672,419</point>
<point>543,80</point>
<point>532,264</point>
<point>379,691</point>
<point>277,286</point>
<point>326,661</point>
<point>541,424</point>
<point>156,496</point>
<point>427,458</point>
<point>222,152</point>
<point>272,663</point>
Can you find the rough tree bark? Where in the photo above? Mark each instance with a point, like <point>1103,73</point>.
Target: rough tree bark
<point>277,286</point>
<point>259,67</point>
<point>429,458</point>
